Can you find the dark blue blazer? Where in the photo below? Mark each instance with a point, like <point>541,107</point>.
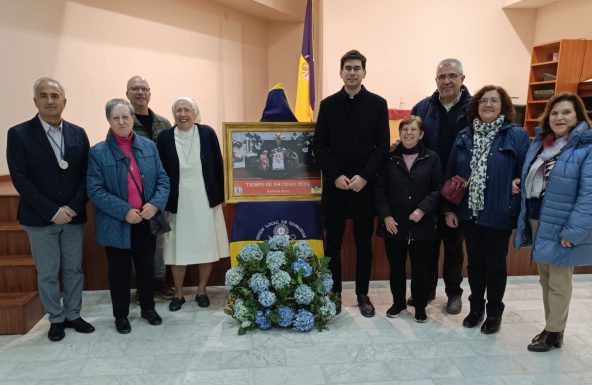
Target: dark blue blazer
<point>43,186</point>
<point>211,164</point>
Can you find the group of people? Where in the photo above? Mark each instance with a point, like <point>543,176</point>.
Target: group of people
<point>544,188</point>
<point>143,168</point>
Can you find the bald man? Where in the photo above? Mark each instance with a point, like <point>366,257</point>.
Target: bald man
<point>149,125</point>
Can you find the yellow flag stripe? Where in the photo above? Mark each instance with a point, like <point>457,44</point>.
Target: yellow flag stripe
<point>303,109</point>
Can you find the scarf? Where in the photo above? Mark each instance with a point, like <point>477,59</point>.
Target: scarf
<point>482,139</point>
<point>134,196</point>
<point>535,180</point>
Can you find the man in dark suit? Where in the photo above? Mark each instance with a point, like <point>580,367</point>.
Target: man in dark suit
<point>47,158</point>
<point>350,143</point>
<point>444,114</point>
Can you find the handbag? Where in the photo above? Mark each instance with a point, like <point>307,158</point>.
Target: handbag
<point>453,190</point>
<point>159,224</point>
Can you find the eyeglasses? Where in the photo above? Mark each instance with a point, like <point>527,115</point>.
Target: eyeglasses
<point>489,100</point>
<point>451,76</point>
<point>354,68</point>
<point>138,89</point>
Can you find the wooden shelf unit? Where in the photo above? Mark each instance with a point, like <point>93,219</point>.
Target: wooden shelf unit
<point>555,67</point>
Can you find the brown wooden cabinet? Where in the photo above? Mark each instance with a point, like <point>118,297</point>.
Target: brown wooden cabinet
<point>555,67</point>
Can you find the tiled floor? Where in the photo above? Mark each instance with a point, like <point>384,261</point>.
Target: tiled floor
<point>201,346</point>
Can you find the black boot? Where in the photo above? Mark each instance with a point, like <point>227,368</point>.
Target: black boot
<point>491,325</point>
<point>545,341</point>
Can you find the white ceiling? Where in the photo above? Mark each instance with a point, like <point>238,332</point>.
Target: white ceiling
<point>527,3</point>
<point>273,10</point>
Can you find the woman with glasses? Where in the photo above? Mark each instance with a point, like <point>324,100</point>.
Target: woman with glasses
<point>556,218</point>
<point>128,185</point>
<point>407,195</point>
<point>490,153</point>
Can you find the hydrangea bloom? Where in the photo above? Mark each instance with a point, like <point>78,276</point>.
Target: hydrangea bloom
<point>262,321</point>
<point>279,242</point>
<point>241,312</point>
<point>286,316</point>
<point>303,294</point>
<point>250,251</point>
<point>234,276</point>
<point>327,309</point>
<point>258,283</point>
<point>280,283</point>
<point>300,264</point>
<point>280,279</point>
<point>275,260</point>
<point>304,321</point>
<point>266,298</point>
<point>302,249</point>
<point>327,282</point>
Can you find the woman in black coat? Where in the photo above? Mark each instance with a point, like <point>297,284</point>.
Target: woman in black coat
<point>407,195</point>
<point>191,156</point>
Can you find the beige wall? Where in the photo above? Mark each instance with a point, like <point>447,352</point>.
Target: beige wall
<point>404,40</point>
<point>196,48</point>
<point>282,35</point>
<point>568,19</point>
<point>228,59</point>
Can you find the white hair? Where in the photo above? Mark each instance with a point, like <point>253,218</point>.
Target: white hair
<point>47,79</point>
<point>193,106</point>
<point>449,63</point>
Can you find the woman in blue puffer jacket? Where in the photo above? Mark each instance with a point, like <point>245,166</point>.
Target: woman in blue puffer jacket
<point>557,208</point>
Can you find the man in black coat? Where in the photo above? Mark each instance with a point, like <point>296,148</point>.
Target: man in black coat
<point>350,144</point>
<point>444,114</point>
<point>47,158</point>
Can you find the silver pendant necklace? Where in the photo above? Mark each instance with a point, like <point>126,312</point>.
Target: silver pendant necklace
<point>186,155</point>
<point>62,163</point>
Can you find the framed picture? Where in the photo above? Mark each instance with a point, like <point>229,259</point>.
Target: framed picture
<point>270,162</point>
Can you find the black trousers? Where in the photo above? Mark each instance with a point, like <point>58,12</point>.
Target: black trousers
<point>363,229</point>
<point>452,238</point>
<point>422,255</point>
<point>120,268</point>
<point>486,249</point>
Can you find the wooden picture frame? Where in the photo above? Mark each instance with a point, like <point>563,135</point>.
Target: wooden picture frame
<point>269,161</point>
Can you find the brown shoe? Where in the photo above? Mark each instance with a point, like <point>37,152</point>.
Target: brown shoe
<point>544,341</point>
<point>163,290</point>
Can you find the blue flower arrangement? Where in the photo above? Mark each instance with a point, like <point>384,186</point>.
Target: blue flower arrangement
<point>280,283</point>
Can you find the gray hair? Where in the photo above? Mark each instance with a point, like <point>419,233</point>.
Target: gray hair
<point>47,79</point>
<point>193,106</point>
<point>449,63</point>
<point>115,102</point>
